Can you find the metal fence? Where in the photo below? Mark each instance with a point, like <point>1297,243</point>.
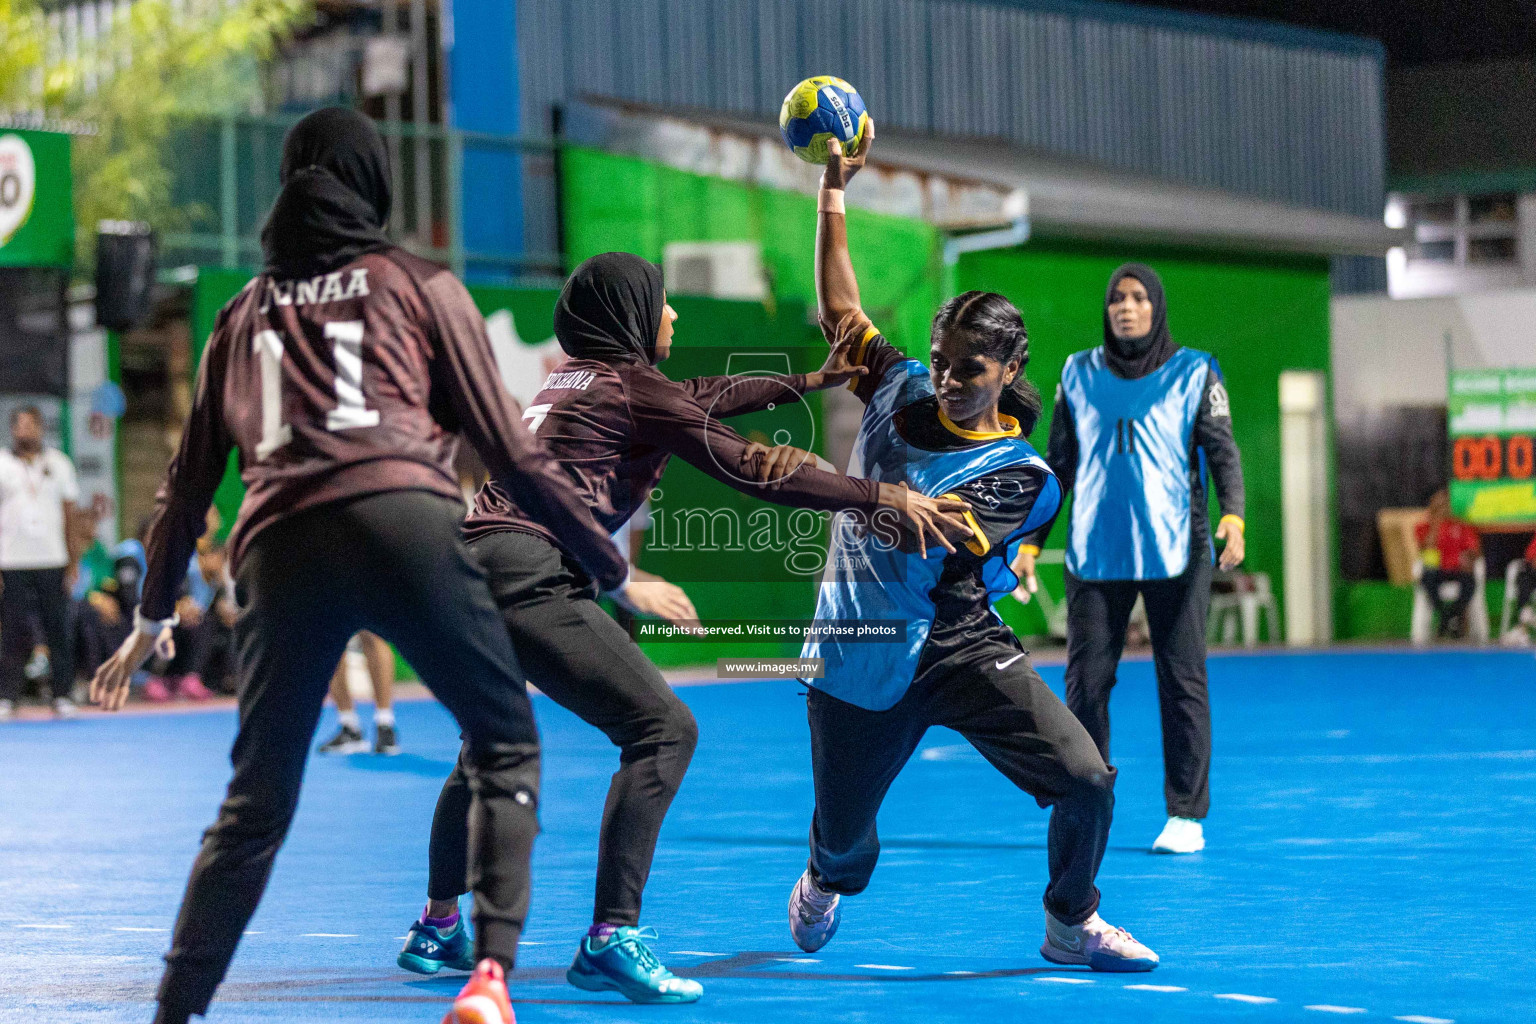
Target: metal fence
<point>225,173</point>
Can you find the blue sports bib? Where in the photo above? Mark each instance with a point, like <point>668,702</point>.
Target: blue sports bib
<point>868,578</point>
<point>1131,502</point>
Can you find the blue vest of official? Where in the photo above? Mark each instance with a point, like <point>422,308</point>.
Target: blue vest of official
<point>1131,501</point>
<point>867,578</point>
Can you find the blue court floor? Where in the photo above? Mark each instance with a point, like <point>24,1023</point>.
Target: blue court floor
<point>1372,854</point>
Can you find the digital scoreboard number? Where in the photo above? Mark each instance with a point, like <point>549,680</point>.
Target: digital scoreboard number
<point>1493,457</point>
<point>1492,425</point>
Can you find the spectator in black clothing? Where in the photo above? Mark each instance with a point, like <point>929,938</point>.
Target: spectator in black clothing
<point>1519,634</point>
<point>106,615</point>
<point>203,640</point>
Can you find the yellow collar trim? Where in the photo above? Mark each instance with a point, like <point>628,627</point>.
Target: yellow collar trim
<point>1010,428</point>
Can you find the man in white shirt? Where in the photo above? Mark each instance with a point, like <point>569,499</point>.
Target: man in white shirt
<point>38,492</point>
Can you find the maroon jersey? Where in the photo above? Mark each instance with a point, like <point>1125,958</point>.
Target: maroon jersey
<point>613,426</point>
<point>345,384</point>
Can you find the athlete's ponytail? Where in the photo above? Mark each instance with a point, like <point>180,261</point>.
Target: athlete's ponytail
<point>995,328</point>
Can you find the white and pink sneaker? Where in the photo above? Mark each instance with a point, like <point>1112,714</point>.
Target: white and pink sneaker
<point>1095,943</point>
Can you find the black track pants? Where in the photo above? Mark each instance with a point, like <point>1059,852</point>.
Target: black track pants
<point>40,591</point>
<point>1012,718</point>
<point>393,563</point>
<point>1098,612</point>
<point>586,662</point>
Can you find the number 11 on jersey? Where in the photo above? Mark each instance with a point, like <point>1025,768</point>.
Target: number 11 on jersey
<point>351,409</point>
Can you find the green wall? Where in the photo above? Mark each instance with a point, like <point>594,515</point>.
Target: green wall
<point>1258,315</point>
<point>619,203</point>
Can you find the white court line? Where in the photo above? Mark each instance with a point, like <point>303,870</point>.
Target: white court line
<point>960,974</point>
<point>1330,1008</point>
<point>696,952</point>
<point>794,960</point>
<point>1238,997</point>
<point>525,942</point>
<point>141,929</point>
<point>1414,1018</point>
<point>1069,981</point>
<point>45,927</point>
<point>882,967</point>
<point>326,935</point>
<point>1156,988</point>
<point>254,933</point>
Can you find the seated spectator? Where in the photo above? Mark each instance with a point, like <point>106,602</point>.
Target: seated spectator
<point>204,639</point>
<point>1519,634</point>
<point>106,614</point>
<point>1449,549</point>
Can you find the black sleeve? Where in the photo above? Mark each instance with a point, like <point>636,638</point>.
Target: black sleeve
<point>877,354</point>
<point>1213,433</point>
<point>665,414</point>
<point>1061,456</point>
<point>999,502</point>
<point>181,506</point>
<point>739,394</point>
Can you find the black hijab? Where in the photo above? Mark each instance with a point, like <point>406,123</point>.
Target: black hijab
<point>1131,358</point>
<point>610,309</point>
<point>335,198</point>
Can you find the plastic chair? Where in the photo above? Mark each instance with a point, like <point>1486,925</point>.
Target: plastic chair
<point>1054,609</point>
<point>1237,615</point>
<point>1508,612</point>
<point>1423,621</point>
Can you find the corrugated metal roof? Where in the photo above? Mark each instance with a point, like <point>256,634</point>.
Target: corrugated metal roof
<point>1271,115</point>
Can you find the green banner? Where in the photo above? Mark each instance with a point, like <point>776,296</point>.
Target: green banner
<point>37,225</point>
<point>1492,419</point>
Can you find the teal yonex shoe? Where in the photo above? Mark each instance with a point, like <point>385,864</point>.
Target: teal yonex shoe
<point>623,963</point>
<point>428,950</point>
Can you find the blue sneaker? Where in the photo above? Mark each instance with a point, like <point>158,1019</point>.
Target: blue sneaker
<point>626,965</point>
<point>814,914</point>
<point>428,950</point>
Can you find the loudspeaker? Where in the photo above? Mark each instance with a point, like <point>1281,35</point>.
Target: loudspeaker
<point>34,331</point>
<point>125,273</point>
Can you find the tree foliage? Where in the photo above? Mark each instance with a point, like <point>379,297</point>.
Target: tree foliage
<point>150,64</point>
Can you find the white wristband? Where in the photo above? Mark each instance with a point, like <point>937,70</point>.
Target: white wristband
<point>830,200</point>
<point>152,627</point>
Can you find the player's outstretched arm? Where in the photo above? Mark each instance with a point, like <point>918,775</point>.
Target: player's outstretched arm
<point>837,289</point>
<point>665,415</point>
<point>181,509</point>
<point>736,395</point>
<point>941,518</point>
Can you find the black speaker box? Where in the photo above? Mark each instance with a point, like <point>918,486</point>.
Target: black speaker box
<point>125,273</point>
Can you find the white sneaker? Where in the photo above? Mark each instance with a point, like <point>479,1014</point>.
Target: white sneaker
<point>7,710</point>
<point>63,707</point>
<point>1096,943</point>
<point>814,913</point>
<point>1180,835</point>
<point>1516,637</point>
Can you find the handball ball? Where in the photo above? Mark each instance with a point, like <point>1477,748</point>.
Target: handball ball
<point>820,109</point>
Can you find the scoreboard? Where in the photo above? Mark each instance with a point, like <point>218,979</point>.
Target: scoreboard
<point>1492,422</point>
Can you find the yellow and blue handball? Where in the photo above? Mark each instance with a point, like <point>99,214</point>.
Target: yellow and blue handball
<point>821,109</point>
